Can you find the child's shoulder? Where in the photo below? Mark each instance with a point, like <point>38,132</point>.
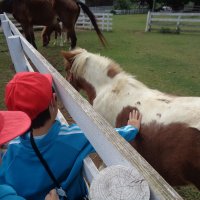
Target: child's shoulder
<point>72,129</point>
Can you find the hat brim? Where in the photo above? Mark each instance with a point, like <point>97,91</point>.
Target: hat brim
<point>12,125</point>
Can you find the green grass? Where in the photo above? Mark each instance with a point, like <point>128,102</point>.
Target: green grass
<point>167,62</point>
<point>6,71</point>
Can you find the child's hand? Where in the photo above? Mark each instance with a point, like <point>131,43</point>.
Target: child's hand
<point>52,195</point>
<point>135,119</point>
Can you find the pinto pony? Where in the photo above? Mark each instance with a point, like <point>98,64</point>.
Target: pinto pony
<point>169,138</point>
<point>46,12</point>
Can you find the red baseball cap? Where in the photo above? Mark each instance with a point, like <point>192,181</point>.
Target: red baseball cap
<point>12,125</point>
<point>30,92</point>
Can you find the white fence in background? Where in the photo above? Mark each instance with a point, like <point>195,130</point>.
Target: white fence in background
<point>104,21</point>
<point>132,11</point>
<point>178,21</point>
<point>111,147</point>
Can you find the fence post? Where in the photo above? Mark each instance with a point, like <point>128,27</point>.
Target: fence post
<point>6,27</point>
<point>2,17</point>
<point>17,54</point>
<point>103,22</point>
<point>178,24</point>
<point>148,26</point>
<point>108,21</point>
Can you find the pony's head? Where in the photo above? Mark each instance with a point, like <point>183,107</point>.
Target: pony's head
<point>89,71</point>
<point>93,68</point>
<point>71,67</point>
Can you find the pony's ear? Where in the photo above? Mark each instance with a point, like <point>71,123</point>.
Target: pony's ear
<point>69,55</point>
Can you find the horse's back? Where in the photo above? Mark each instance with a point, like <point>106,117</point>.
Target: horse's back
<point>154,105</point>
<point>35,12</point>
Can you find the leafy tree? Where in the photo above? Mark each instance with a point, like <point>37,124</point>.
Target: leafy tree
<point>99,2</point>
<point>148,2</point>
<point>174,4</point>
<point>123,4</point>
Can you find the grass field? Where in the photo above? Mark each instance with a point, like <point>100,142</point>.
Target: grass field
<point>168,62</point>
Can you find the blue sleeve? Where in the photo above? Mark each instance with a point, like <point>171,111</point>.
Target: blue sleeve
<point>8,193</point>
<point>127,132</point>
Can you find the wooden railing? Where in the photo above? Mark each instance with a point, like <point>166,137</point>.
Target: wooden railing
<point>104,21</point>
<point>176,21</point>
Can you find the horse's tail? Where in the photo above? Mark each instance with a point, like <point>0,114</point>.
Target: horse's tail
<point>93,20</point>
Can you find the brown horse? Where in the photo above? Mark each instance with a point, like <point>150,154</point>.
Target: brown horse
<point>46,12</point>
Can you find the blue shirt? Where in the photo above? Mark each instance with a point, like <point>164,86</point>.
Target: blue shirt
<point>64,148</point>
<point>8,193</point>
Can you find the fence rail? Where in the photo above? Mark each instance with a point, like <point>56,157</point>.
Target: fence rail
<point>132,11</point>
<point>115,150</point>
<point>104,21</point>
<point>177,21</point>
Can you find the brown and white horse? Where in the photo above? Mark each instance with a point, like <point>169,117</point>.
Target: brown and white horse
<point>169,138</point>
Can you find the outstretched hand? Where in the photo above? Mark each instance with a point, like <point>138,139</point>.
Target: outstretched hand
<point>135,119</point>
<point>52,195</point>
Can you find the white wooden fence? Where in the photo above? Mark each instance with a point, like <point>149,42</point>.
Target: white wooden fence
<point>177,21</point>
<point>104,21</point>
<point>132,11</point>
<point>111,147</point>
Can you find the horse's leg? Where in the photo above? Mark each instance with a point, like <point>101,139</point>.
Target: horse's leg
<point>29,34</point>
<point>33,37</point>
<point>61,39</point>
<point>56,38</point>
<point>45,36</point>
<point>68,18</point>
<point>72,35</point>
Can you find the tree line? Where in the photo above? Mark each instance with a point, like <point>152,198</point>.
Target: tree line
<point>127,4</point>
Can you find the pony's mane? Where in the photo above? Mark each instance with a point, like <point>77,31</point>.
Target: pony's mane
<point>105,64</point>
<point>84,56</point>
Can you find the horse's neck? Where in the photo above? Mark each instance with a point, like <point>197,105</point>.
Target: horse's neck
<point>121,81</point>
<point>97,78</point>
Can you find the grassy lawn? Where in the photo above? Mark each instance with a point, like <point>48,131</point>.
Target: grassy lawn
<point>167,62</point>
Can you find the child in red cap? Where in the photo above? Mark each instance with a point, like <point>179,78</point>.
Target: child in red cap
<point>50,155</point>
<point>12,125</point>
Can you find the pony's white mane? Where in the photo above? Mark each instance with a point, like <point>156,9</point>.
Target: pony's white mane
<point>101,64</point>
